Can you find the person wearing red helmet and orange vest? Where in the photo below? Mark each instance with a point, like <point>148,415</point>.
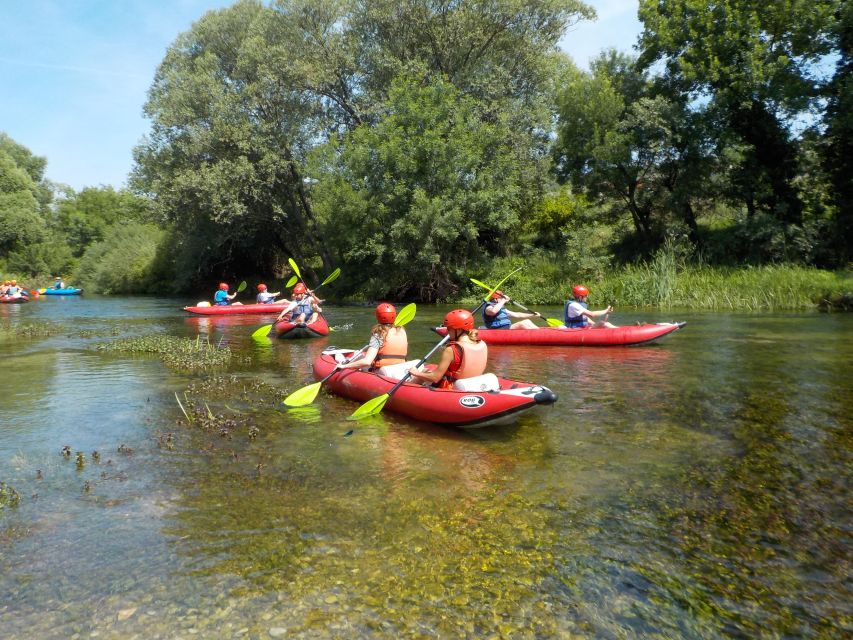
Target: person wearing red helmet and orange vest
<point>304,306</point>
<point>464,356</point>
<point>576,314</point>
<point>497,316</point>
<point>388,344</point>
<point>265,297</point>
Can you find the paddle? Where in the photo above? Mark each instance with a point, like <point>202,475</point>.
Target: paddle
<point>552,322</point>
<point>264,330</point>
<point>375,405</point>
<point>241,286</point>
<point>306,394</point>
<point>292,281</point>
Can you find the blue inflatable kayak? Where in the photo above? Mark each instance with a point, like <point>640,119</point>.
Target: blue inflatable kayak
<point>61,292</point>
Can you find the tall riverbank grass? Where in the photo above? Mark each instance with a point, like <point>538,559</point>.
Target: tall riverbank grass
<point>667,282</point>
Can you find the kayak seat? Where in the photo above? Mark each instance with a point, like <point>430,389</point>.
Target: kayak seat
<point>485,382</point>
<point>397,371</point>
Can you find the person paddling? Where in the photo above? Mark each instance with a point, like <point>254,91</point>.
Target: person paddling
<point>576,314</point>
<point>265,297</point>
<point>222,298</point>
<point>497,316</point>
<point>58,283</point>
<point>388,343</point>
<point>464,356</point>
<point>303,308</point>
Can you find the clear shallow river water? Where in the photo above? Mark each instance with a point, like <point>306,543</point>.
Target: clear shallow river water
<point>698,487</point>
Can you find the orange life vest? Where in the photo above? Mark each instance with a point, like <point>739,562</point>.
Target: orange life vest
<point>394,349</point>
<point>469,360</point>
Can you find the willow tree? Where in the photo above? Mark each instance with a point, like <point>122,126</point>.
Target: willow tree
<point>241,101</point>
<point>231,120</point>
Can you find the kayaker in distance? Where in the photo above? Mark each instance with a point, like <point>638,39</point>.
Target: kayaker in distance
<point>304,306</point>
<point>464,357</point>
<point>58,283</point>
<point>497,316</point>
<point>222,297</point>
<point>13,290</point>
<point>387,345</point>
<point>576,314</point>
<point>264,297</point>
<point>4,288</point>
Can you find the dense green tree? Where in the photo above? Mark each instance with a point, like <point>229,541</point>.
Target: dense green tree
<point>241,100</point>
<point>20,219</point>
<point>756,64</point>
<point>428,189</point>
<point>630,146</point>
<point>84,217</point>
<point>839,134</point>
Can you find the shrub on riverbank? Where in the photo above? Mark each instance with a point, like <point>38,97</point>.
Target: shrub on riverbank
<point>666,282</point>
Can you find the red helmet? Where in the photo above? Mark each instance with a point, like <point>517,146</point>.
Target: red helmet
<point>385,313</point>
<point>262,287</point>
<point>223,286</point>
<point>497,294</point>
<point>459,319</point>
<point>300,288</point>
<point>580,291</point>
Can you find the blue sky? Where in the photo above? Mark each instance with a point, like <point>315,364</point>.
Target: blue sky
<point>74,73</point>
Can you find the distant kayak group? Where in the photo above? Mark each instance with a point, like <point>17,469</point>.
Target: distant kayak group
<point>13,293</point>
<point>457,390</point>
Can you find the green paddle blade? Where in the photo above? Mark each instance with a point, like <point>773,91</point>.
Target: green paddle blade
<point>371,407</point>
<point>303,396</point>
<point>262,332</point>
<point>241,286</point>
<point>553,322</point>
<point>406,314</point>
<point>291,282</point>
<point>331,277</point>
<point>294,267</point>
<point>480,284</point>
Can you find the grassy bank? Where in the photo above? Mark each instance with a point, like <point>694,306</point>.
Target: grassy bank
<point>665,283</point>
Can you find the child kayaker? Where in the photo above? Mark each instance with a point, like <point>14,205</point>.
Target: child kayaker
<point>304,306</point>
<point>387,345</point>
<point>222,298</point>
<point>464,357</point>
<point>576,315</point>
<point>264,297</point>
<point>497,316</point>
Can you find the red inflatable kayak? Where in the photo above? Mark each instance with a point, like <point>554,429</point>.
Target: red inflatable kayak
<point>593,337</point>
<point>12,300</point>
<point>287,329</point>
<point>490,400</point>
<point>236,309</point>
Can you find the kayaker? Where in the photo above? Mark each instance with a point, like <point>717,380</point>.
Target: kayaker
<point>222,298</point>
<point>14,291</point>
<point>464,357</point>
<point>58,283</point>
<point>387,345</point>
<point>576,314</point>
<point>264,297</point>
<point>4,288</point>
<point>497,316</point>
<point>304,306</point>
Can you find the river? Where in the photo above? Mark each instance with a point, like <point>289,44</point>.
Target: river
<point>698,487</point>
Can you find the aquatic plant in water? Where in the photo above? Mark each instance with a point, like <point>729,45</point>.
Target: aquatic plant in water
<point>178,353</point>
<point>9,497</point>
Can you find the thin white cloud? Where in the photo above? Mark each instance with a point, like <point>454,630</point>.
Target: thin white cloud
<point>62,67</point>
